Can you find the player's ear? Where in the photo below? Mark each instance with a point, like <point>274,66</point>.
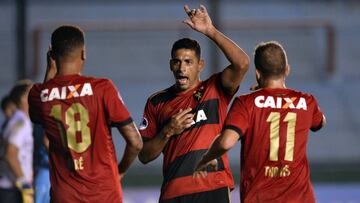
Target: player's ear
<point>287,70</point>
<point>201,64</point>
<point>83,54</point>
<point>258,75</point>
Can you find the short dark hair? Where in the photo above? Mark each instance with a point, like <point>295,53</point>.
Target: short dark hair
<point>270,59</point>
<point>5,102</point>
<point>65,39</point>
<point>20,88</point>
<point>186,43</point>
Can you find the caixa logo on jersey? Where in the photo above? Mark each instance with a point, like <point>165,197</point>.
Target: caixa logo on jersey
<point>206,113</point>
<point>66,92</point>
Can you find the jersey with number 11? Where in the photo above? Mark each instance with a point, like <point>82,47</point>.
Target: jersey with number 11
<point>274,126</point>
<point>77,113</point>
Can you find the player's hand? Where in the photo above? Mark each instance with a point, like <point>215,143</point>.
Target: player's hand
<point>199,19</point>
<point>121,176</point>
<point>178,123</point>
<point>201,168</point>
<point>50,65</point>
<point>26,189</point>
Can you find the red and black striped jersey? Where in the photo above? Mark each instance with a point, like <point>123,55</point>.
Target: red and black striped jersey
<point>274,126</point>
<point>209,103</point>
<point>77,113</point>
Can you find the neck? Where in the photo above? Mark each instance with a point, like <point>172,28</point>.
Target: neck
<point>24,109</point>
<point>274,83</point>
<point>183,91</point>
<point>69,69</point>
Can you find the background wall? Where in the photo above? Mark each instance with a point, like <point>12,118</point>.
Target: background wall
<point>130,42</point>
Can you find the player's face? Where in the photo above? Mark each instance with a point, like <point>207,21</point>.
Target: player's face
<point>186,68</point>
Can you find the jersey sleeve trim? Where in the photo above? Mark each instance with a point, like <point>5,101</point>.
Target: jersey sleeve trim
<point>314,129</point>
<point>234,128</point>
<point>122,123</point>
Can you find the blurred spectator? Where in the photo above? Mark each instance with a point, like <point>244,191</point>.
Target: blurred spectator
<point>16,162</point>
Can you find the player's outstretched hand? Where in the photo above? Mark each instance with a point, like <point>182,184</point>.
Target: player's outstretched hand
<point>201,168</point>
<point>199,19</point>
<point>179,122</point>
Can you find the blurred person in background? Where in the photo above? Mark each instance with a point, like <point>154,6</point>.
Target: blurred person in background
<point>182,121</point>
<point>8,108</point>
<point>77,113</point>
<point>16,175</point>
<point>273,124</point>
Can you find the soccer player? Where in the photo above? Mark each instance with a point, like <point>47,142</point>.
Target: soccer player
<point>16,173</point>
<point>273,124</point>
<point>183,120</point>
<point>77,113</point>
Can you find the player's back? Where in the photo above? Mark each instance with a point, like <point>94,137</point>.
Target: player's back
<point>274,164</point>
<point>76,113</point>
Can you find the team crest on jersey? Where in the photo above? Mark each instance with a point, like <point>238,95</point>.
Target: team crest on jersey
<point>66,92</point>
<point>144,124</point>
<point>198,94</point>
<point>280,102</point>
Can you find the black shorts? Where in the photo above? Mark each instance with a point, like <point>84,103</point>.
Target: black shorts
<point>221,195</point>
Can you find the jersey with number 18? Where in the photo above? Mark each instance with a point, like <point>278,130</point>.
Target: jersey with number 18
<point>274,126</point>
<point>77,113</point>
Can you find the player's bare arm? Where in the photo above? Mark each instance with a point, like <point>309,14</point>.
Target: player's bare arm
<point>223,143</point>
<point>177,124</point>
<point>13,161</point>
<point>133,146</point>
<point>232,75</point>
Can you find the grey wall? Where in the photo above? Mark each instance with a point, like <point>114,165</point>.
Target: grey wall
<point>137,61</point>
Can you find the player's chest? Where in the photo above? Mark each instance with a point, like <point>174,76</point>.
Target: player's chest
<point>205,110</point>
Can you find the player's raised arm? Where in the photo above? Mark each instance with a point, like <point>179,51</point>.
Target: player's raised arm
<point>133,146</point>
<point>232,75</point>
<point>154,146</point>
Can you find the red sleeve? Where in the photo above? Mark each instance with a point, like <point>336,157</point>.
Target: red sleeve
<point>148,128</point>
<point>34,101</point>
<point>118,115</point>
<point>317,117</point>
<point>216,80</point>
<point>238,117</point>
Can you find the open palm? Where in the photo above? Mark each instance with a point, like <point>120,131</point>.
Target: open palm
<point>199,19</point>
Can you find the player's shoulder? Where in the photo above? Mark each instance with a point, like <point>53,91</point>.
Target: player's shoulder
<point>161,96</point>
<point>302,94</point>
<point>35,91</point>
<point>37,86</point>
<point>98,82</point>
<point>18,119</point>
<point>250,95</point>
<point>215,78</point>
